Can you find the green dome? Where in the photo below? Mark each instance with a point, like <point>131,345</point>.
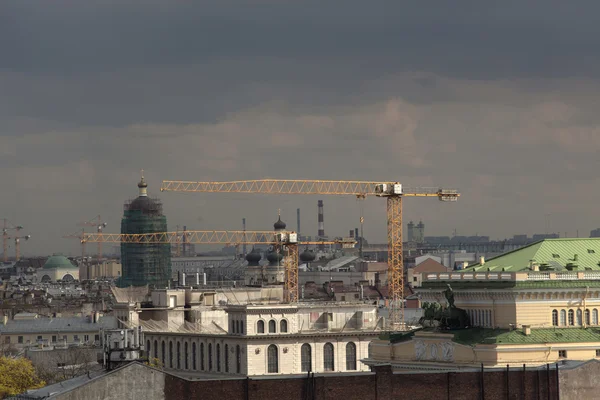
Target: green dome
<point>58,261</point>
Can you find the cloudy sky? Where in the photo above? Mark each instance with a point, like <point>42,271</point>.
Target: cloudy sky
<point>500,101</point>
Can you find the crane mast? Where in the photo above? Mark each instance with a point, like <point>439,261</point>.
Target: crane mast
<point>393,191</point>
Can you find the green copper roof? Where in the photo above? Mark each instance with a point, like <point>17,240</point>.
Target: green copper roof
<point>548,254</point>
<point>538,336</point>
<point>58,261</point>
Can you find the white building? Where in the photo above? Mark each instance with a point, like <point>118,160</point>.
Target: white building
<point>254,334</point>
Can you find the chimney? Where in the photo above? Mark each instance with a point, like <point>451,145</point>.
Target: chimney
<point>4,319</point>
<point>321,221</point>
<point>527,330</point>
<point>244,229</point>
<point>482,260</point>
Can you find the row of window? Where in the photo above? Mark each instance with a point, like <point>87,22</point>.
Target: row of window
<point>210,363</point>
<point>283,326</point>
<point>328,357</point>
<point>572,317</point>
<point>54,339</point>
<point>173,359</point>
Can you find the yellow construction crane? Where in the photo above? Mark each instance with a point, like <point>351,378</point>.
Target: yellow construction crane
<point>393,191</point>
<point>78,235</point>
<point>287,241</point>
<point>99,225</point>
<point>8,226</point>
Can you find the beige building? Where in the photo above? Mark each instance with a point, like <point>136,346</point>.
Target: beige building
<point>533,306</point>
<point>94,270</point>
<point>250,332</point>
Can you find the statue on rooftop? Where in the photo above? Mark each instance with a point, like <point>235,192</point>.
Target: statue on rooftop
<point>449,294</point>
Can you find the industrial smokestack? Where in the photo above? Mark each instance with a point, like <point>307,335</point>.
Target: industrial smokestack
<point>321,233</point>
<point>184,241</point>
<point>244,229</point>
<point>298,221</point>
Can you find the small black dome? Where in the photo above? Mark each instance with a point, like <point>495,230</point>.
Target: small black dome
<point>307,256</point>
<point>253,257</point>
<point>279,225</point>
<point>274,257</point>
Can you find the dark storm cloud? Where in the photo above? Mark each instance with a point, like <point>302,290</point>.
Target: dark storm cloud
<point>497,99</point>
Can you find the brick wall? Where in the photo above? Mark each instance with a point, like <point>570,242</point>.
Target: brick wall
<point>382,385</point>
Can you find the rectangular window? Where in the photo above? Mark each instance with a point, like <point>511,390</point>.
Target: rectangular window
<point>97,338</point>
<point>562,354</point>
<point>54,339</point>
<point>7,340</point>
<point>75,338</point>
<point>86,338</point>
<point>597,352</point>
<point>39,338</point>
<point>20,339</point>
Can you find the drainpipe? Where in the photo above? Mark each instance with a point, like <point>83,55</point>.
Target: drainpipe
<point>587,289</point>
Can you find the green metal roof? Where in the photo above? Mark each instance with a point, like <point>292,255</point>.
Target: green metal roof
<point>58,261</point>
<point>538,336</point>
<point>510,284</point>
<point>549,254</point>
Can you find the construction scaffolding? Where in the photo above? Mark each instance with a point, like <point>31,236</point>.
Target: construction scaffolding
<point>144,263</point>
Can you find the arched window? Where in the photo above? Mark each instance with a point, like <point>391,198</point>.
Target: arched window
<point>571,317</point>
<point>163,352</point>
<point>210,356</point>
<point>554,317</point>
<point>306,358</point>
<point>238,359</point>
<point>350,356</point>
<point>194,365</point>
<point>594,316</point>
<point>272,359</point>
<point>148,350</point>
<point>587,317</point>
<point>563,318</point>
<point>178,355</point>
<point>260,326</point>
<point>185,355</point>
<point>328,363</point>
<point>226,358</point>
<point>283,326</point>
<point>218,357</point>
<point>237,326</point>
<point>170,354</point>
<point>242,327</point>
<point>202,356</point>
<point>579,317</point>
<point>272,326</point>
<point>156,349</point>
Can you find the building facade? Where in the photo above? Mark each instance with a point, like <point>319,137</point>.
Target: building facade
<point>277,339</point>
<point>533,306</point>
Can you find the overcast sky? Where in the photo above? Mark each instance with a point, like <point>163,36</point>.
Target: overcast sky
<point>499,101</point>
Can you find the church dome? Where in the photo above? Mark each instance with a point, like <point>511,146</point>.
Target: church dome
<point>307,256</point>
<point>274,257</point>
<point>253,257</point>
<point>279,225</point>
<point>58,261</point>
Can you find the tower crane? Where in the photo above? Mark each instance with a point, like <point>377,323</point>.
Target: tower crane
<point>288,241</point>
<point>8,226</point>
<point>96,222</point>
<point>392,191</point>
<point>78,235</point>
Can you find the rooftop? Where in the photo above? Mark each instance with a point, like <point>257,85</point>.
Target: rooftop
<point>52,325</point>
<point>475,336</point>
<point>548,254</point>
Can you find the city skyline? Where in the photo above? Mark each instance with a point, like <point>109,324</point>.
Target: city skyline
<point>499,102</point>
